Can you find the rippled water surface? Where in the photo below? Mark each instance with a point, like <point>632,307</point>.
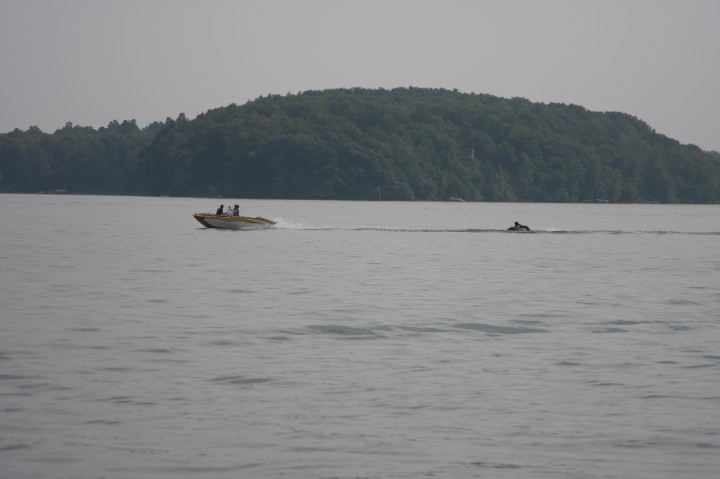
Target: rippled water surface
<point>358,340</point>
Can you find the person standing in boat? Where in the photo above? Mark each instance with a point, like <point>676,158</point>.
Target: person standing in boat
<point>220,210</point>
<point>236,210</point>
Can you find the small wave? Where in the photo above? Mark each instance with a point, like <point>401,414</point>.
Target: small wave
<point>492,465</point>
<point>344,331</point>
<point>680,328</point>
<point>13,447</point>
<point>706,445</point>
<point>498,330</point>
<point>240,380</point>
<point>10,377</point>
<point>611,330</point>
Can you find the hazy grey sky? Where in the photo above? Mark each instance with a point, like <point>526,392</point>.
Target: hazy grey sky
<point>94,61</point>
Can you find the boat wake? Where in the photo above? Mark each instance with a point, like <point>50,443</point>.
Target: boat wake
<point>287,225</point>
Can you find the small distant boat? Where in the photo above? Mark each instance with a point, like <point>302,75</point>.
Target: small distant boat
<point>456,198</point>
<point>210,220</point>
<point>519,227</point>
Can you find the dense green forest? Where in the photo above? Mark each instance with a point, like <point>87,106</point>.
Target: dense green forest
<point>359,144</point>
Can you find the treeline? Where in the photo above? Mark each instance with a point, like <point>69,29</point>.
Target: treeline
<point>75,159</point>
<point>358,144</point>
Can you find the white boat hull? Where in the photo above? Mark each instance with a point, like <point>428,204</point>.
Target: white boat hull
<point>233,222</point>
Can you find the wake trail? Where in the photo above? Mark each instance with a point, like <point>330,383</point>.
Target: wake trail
<point>287,225</point>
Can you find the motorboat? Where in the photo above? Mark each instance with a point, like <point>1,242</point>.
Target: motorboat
<point>210,220</point>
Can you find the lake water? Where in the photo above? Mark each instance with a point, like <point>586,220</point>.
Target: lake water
<point>358,340</point>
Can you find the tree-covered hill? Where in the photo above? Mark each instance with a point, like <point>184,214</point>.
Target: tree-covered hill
<point>76,159</point>
<point>400,144</point>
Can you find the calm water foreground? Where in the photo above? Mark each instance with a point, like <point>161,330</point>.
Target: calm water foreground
<point>358,340</point>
